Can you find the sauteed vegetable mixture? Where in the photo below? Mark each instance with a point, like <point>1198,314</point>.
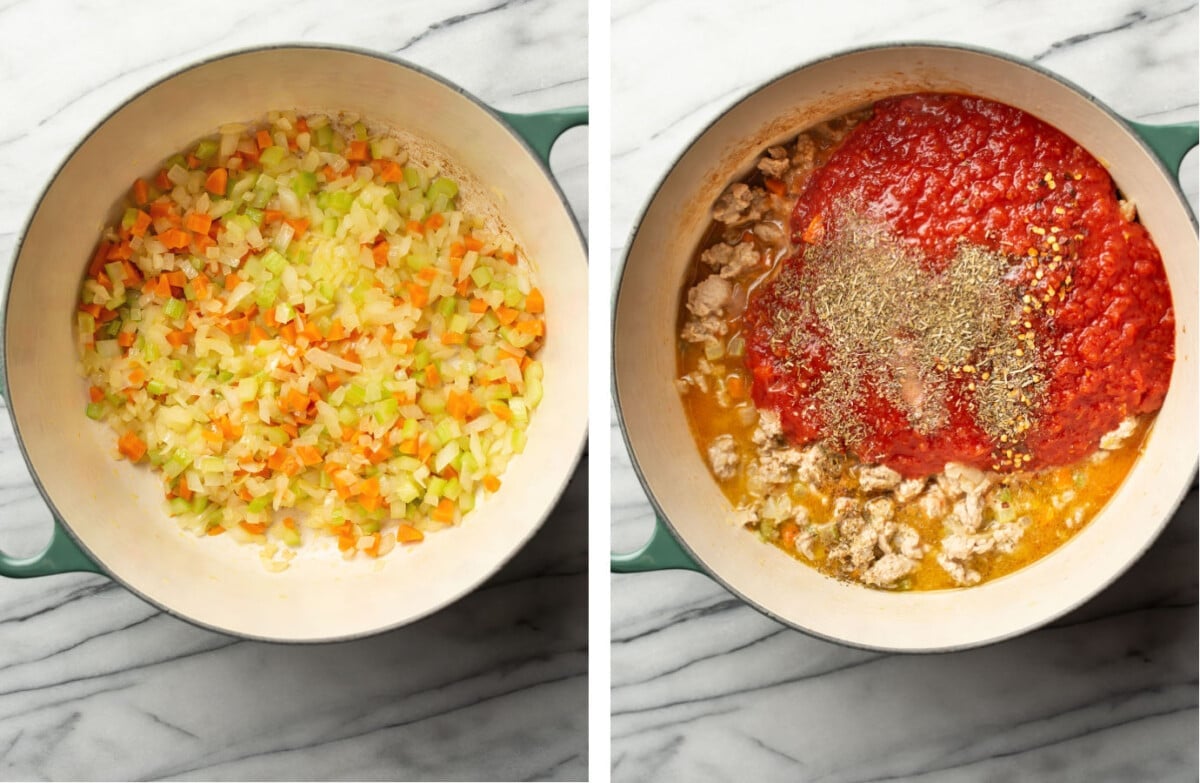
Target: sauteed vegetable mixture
<point>297,325</point>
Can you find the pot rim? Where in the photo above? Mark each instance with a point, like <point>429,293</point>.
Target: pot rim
<point>632,239</point>
<point>60,520</point>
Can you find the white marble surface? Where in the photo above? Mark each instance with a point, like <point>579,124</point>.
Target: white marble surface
<point>96,684</point>
<point>706,688</point>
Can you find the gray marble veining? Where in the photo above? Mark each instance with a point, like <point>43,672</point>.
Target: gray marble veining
<point>706,688</point>
<point>95,683</point>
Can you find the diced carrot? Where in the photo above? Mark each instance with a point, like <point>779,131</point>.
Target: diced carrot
<point>428,274</point>
<point>254,528</point>
<point>735,386</point>
<point>346,543</point>
<point>232,281</point>
<point>358,151</point>
<point>534,302</point>
<point>456,406</point>
<point>418,294</point>
<point>473,243</point>
<point>507,314</point>
<point>414,227</point>
<point>453,338</point>
<point>409,447</point>
<point>510,257</point>
<point>368,486</point>
<point>215,530</point>
<point>311,331</point>
<point>131,446</point>
<point>95,394</point>
<point>162,181</point>
<point>491,483</point>
<point>390,171</point>
<point>407,534</point>
<point>140,223</point>
<point>535,327</point>
<point>217,181</point>
<point>336,331</point>
<point>212,436</point>
<point>330,174</point>
<point>122,251</point>
<point>201,286</point>
<point>271,216</point>
<point>424,451</point>
<point>776,186</point>
<point>478,305</point>
<point>788,532</point>
<point>457,250</point>
<point>257,334</point>
<point>137,376</point>
<point>296,400</point>
<point>299,226</point>
<point>198,222</point>
<point>288,331</point>
<point>309,455</point>
<point>141,191</point>
<point>98,259</point>
<point>263,139</point>
<point>431,375</point>
<point>444,511</point>
<point>176,278</point>
<point>301,127</point>
<point>435,221</point>
<point>176,338</point>
<point>380,253</point>
<point>174,238</point>
<point>192,161</point>
<point>125,340</point>
<point>502,411</point>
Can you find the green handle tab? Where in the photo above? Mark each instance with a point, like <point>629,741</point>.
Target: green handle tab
<point>541,129</point>
<point>62,556</point>
<point>1169,142</point>
<point>661,553</point>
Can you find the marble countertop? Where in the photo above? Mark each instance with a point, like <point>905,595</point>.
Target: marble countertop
<point>97,684</point>
<point>706,688</point>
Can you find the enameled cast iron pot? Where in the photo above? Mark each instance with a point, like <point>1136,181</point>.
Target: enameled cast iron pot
<point>693,531</point>
<point>111,515</point>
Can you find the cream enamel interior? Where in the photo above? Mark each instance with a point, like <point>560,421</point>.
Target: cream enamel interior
<point>116,510</point>
<point>674,470</point>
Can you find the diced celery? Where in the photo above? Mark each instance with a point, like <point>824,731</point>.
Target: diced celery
<point>453,489</point>
<point>407,491</point>
<point>264,189</point>
<point>87,324</point>
<point>360,131</point>
<point>347,414</point>
<point>303,183</point>
<point>437,485</point>
<point>179,506</point>
<point>94,410</point>
<point>255,215</point>
<point>467,502</point>
<point>156,387</point>
<point>206,149</point>
<point>127,221</point>
<point>387,410</point>
<point>355,394</point>
<point>272,156</point>
<point>211,464</point>
<point>447,430</point>
<point>329,226</point>
<point>199,503</point>
<point>174,308</point>
<point>265,296</point>
<point>324,137</point>
<point>259,504</point>
<point>442,187</point>
<point>289,536</point>
<point>447,305</point>
<point>409,430</point>
<point>179,462</point>
<point>482,275</point>
<point>513,297</point>
<point>340,201</point>
<point>412,177</point>
<point>284,312</point>
<point>369,526</point>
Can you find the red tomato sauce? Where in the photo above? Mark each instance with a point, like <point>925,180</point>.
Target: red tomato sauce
<point>937,169</point>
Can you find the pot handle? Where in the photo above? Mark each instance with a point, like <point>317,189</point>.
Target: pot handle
<point>61,556</point>
<point>1169,142</point>
<point>541,129</point>
<point>662,552</point>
